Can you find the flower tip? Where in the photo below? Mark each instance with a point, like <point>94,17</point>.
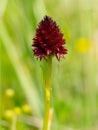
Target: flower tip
<point>48,52</point>
<point>46,17</point>
<point>58,56</point>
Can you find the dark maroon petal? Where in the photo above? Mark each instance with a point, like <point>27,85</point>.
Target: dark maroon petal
<point>48,40</point>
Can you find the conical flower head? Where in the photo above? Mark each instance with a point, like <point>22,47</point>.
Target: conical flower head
<point>48,40</point>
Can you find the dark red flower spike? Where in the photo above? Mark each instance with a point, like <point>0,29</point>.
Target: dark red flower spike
<point>48,40</point>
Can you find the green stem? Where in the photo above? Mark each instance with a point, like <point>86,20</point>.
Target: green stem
<point>47,93</point>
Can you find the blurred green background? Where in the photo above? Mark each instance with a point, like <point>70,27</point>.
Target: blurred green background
<point>74,78</point>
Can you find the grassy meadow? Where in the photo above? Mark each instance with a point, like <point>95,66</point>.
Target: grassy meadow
<point>74,102</point>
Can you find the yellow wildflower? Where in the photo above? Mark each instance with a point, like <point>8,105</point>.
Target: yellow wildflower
<point>9,92</point>
<point>26,108</point>
<point>82,45</point>
<point>8,114</point>
<point>17,110</point>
